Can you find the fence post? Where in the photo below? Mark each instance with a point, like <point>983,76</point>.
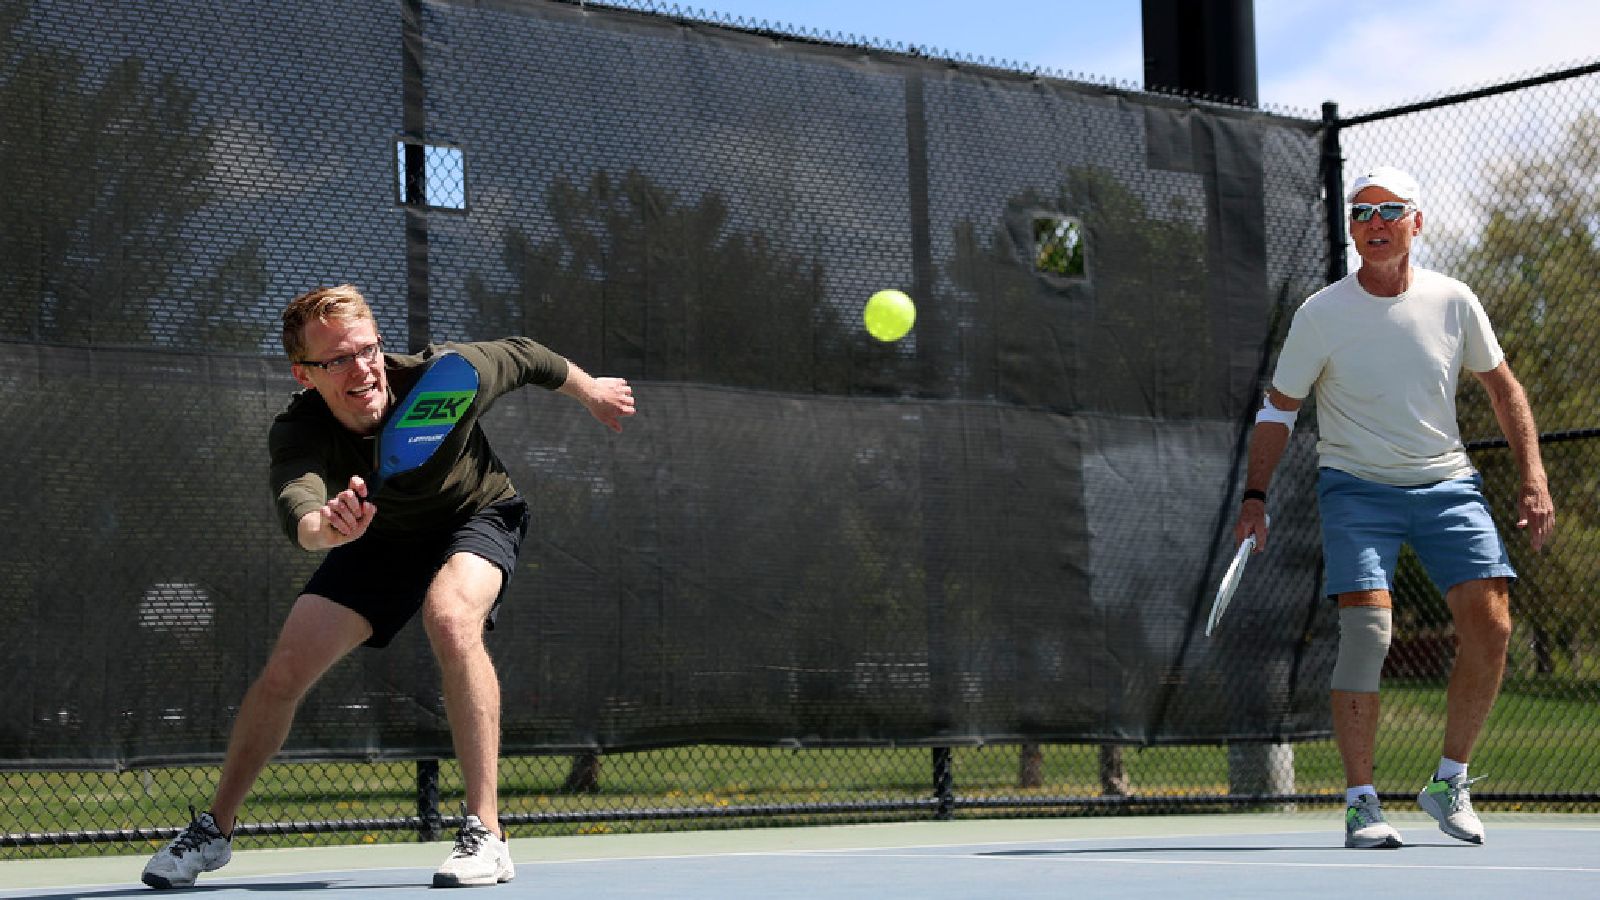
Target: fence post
<point>414,98</point>
<point>430,825</point>
<point>1113,771</point>
<point>1259,768</point>
<point>1333,191</point>
<point>943,784</point>
<point>1262,769</point>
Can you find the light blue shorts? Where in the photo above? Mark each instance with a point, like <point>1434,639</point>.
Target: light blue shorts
<point>1446,523</point>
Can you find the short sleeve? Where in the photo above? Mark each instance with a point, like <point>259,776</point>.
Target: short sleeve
<point>1480,349</point>
<point>1301,360</point>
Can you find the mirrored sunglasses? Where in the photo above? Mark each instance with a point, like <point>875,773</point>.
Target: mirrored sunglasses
<point>1389,212</point>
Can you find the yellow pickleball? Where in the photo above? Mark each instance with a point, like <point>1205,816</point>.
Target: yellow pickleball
<point>889,315</point>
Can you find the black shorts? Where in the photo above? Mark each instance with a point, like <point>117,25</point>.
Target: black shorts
<point>385,580</point>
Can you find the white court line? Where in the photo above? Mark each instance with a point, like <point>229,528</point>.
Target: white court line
<point>880,852</point>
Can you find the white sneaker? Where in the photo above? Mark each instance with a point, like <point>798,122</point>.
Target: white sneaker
<point>477,858</point>
<point>200,848</point>
<point>1450,802</point>
<point>1365,827</point>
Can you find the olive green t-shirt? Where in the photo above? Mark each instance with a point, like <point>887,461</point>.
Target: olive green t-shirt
<point>314,456</point>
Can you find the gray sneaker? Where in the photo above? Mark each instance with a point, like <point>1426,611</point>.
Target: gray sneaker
<point>479,857</point>
<point>200,848</point>
<point>1450,802</point>
<point>1365,827</point>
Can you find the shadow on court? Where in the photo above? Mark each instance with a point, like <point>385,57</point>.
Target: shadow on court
<point>231,887</point>
<point>1293,848</point>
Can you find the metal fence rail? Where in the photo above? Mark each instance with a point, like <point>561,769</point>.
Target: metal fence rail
<point>697,787</point>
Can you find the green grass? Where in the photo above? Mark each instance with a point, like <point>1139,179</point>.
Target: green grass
<point>1537,741</point>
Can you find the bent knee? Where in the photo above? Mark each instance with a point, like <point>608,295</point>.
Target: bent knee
<point>1491,631</point>
<point>1364,636</point>
<point>452,622</point>
<point>1482,613</point>
<point>284,680</point>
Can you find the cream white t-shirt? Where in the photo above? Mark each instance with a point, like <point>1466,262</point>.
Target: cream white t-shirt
<point>1385,371</point>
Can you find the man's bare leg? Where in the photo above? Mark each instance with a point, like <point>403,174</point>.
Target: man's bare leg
<point>1482,612</point>
<point>458,602</point>
<point>317,634</point>
<point>1481,609</point>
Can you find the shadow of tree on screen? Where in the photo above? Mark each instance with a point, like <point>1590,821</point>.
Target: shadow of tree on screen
<point>1133,337</point>
<point>101,176</point>
<point>119,421</point>
<point>646,285</point>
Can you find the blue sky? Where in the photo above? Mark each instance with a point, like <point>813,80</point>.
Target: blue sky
<point>1361,53</point>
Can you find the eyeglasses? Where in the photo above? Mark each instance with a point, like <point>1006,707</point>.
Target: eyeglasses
<point>1389,212</point>
<point>343,363</point>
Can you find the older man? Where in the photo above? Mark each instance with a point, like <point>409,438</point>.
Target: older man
<point>442,541</point>
<point>1383,349</point>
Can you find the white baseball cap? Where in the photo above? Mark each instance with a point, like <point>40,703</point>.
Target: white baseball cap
<point>1393,180</point>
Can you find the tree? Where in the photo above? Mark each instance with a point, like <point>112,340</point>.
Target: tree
<point>1534,266</point>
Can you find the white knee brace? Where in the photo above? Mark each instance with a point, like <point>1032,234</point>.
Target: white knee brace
<point>1364,633</point>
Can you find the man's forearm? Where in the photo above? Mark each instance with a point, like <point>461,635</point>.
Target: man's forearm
<point>312,530</point>
<point>1267,443</point>
<point>1515,416</point>
<point>579,385</point>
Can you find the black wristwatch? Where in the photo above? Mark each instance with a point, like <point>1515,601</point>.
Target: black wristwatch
<point>1253,494</point>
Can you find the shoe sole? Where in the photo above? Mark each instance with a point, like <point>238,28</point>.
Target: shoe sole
<point>445,880</point>
<point>1444,825</point>
<point>1461,836</point>
<point>1387,843</point>
<point>163,884</point>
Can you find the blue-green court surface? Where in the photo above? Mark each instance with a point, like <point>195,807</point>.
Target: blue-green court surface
<point>1298,855</point>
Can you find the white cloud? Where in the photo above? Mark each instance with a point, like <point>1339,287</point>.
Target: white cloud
<point>1367,55</point>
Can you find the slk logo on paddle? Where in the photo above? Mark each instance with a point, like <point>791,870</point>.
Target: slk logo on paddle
<point>437,408</point>
<point>423,421</point>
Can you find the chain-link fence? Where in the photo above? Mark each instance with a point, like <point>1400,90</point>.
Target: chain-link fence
<point>1511,206</point>
<point>1509,211</point>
